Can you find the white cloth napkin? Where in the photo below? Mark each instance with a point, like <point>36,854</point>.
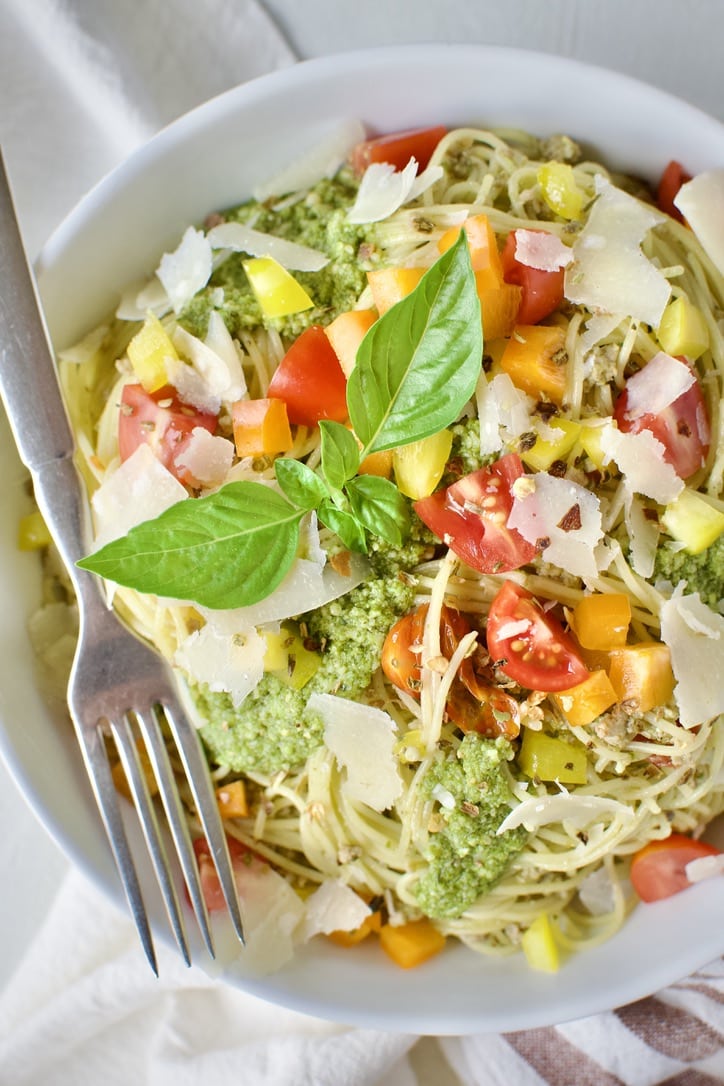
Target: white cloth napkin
<point>83,82</point>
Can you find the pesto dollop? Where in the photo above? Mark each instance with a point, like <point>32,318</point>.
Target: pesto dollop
<point>703,573</point>
<point>465,858</point>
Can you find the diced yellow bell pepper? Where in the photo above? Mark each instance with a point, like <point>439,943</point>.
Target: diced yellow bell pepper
<point>539,945</point>
<point>541,455</point>
<point>411,944</point>
<point>683,329</point>
<point>277,292</point>
<point>288,659</point>
<point>583,703</point>
<point>548,758</point>
<point>232,801</point>
<point>693,520</point>
<point>559,189</point>
<point>148,351</point>
<point>601,620</point>
<point>371,923</point>
<point>590,440</point>
<point>346,332</point>
<point>32,532</point>
<point>483,245</point>
<point>419,466</point>
<point>391,285</point>
<point>535,360</point>
<point>642,674</point>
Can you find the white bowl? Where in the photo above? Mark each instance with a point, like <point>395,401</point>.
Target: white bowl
<point>209,159</point>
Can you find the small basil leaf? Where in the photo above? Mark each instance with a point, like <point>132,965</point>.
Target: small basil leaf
<point>380,507</point>
<point>344,524</point>
<point>300,484</point>
<point>418,364</point>
<point>229,549</point>
<point>340,453</point>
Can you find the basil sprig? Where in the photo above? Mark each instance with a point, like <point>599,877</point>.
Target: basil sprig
<point>416,369</point>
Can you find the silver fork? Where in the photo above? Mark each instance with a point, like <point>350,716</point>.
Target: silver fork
<point>120,689</point>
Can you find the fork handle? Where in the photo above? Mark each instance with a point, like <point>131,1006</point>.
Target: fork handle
<point>30,390</point>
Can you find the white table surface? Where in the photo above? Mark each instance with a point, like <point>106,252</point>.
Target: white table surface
<point>675,44</point>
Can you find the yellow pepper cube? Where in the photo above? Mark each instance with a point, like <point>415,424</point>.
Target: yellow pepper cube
<point>601,620</point>
<point>590,440</point>
<point>539,945</point>
<point>232,801</point>
<point>33,532</point>
<point>560,191</point>
<point>642,674</point>
<point>288,659</point>
<point>693,520</point>
<point>548,758</point>
<point>582,704</point>
<point>411,944</point>
<point>277,292</point>
<point>419,466</point>
<point>545,451</point>
<point>683,329</point>
<point>148,351</point>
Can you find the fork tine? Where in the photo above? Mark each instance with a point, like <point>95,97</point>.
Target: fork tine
<point>177,821</point>
<point>199,780</point>
<point>126,744</point>
<point>104,790</point>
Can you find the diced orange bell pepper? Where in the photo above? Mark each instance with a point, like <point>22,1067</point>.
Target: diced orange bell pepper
<point>261,427</point>
<point>120,780</point>
<point>371,923</point>
<point>499,307</point>
<point>484,255</point>
<point>411,944</point>
<point>642,674</point>
<point>581,704</point>
<point>232,801</point>
<point>601,621</point>
<point>346,332</point>
<point>534,359</point>
<point>391,285</point>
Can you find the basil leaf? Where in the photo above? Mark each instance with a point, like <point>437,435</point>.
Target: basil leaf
<point>380,507</point>
<point>340,453</point>
<point>418,364</point>
<point>300,484</point>
<point>346,526</point>
<point>229,549</point>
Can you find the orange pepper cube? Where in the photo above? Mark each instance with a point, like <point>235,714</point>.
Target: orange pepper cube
<point>232,801</point>
<point>391,285</point>
<point>411,944</point>
<point>484,255</point>
<point>371,923</point>
<point>642,674</point>
<point>534,359</point>
<point>346,332</point>
<point>583,703</point>
<point>601,620</point>
<point>261,427</point>
<point>499,309</point>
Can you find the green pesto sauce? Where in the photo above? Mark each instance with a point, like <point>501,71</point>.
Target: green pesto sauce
<point>465,857</point>
<point>318,221</point>
<point>703,573</point>
<point>272,729</point>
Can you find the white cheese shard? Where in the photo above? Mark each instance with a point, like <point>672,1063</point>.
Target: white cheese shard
<point>334,907</point>
<point>240,238</point>
<point>541,250</point>
<point>187,269</point>
<point>597,892</point>
<point>701,202</point>
<point>219,340</point>
<point>705,867</point>
<point>273,917</point>
<point>322,160</point>
<point>565,514</point>
<point>695,637</point>
<point>571,807</point>
<point>362,739</point>
<point>640,459</point>
<point>227,663</point>
<point>644,534</point>
<point>609,272</point>
<point>503,411</point>
<point>383,190</point>
<point>655,387</point>
<point>207,379</point>
<point>206,457</point>
<point>139,490</point>
<point>140,297</point>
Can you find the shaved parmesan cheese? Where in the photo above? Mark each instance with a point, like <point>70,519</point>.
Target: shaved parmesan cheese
<point>541,250</point>
<point>657,385</point>
<point>609,271</point>
<point>598,328</point>
<point>571,807</point>
<point>206,457</point>
<point>640,459</point>
<point>187,269</point>
<point>273,916</point>
<point>695,636</point>
<point>210,379</point>
<point>644,534</point>
<point>383,190</point>
<point>503,410</point>
<point>705,867</point>
<point>597,892</point>
<point>86,349</point>
<point>701,202</point>
<point>334,907</point>
<point>138,299</point>
<point>241,238</point>
<point>323,160</point>
<point>218,339</point>
<point>565,514</point>
<point>228,663</point>
<point>139,490</point>
<point>362,739</point>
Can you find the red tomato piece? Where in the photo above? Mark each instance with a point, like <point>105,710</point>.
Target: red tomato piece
<point>542,290</point>
<point>161,420</point>
<point>673,177</point>
<point>310,380</point>
<point>658,870</point>
<point>682,428</point>
<point>397,148</point>
<point>471,515</point>
<point>240,856</point>
<point>534,648</point>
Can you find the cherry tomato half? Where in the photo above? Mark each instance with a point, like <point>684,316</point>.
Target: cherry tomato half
<point>542,290</point>
<point>536,651</point>
<point>159,419</point>
<point>310,380</point>
<point>397,148</point>
<point>241,857</point>
<point>471,516</point>
<point>673,177</point>
<point>658,870</point>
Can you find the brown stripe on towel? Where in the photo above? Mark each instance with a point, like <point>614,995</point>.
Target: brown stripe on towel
<point>669,1030</point>
<point>691,1077</point>
<point>558,1061</point>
